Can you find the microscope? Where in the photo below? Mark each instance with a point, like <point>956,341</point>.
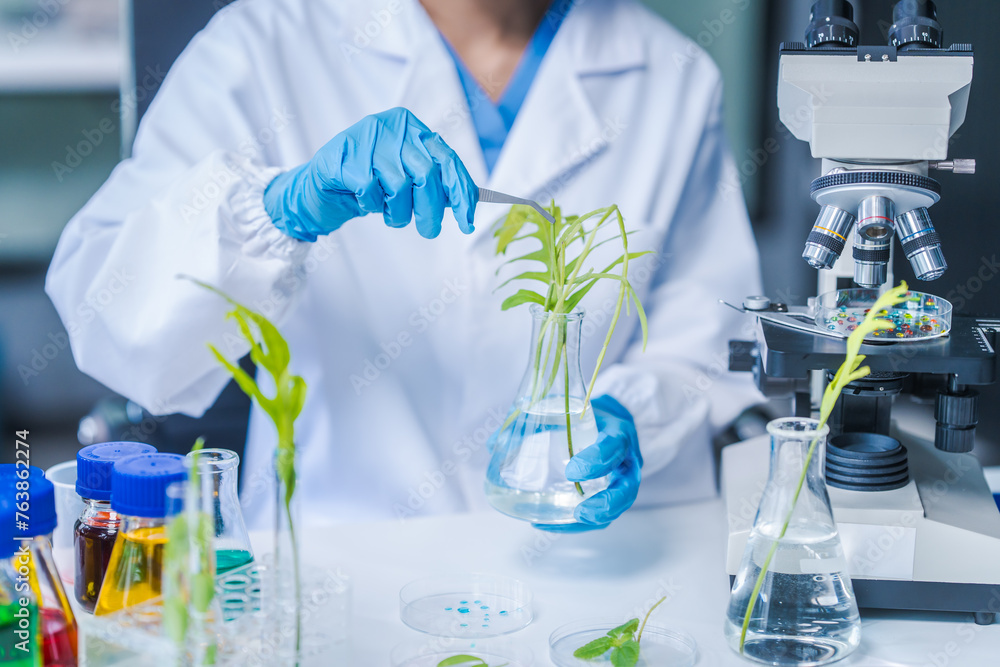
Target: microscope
<point>916,517</point>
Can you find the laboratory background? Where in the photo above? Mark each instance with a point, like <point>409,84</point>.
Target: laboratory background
<point>72,95</point>
<point>77,77</point>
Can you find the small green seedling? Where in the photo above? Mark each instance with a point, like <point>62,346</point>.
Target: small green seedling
<point>623,642</point>
<point>269,351</point>
<point>465,661</point>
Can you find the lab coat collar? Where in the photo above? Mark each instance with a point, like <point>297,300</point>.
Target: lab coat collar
<point>558,127</point>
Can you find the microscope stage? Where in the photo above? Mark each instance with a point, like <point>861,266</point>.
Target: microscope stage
<point>968,352</point>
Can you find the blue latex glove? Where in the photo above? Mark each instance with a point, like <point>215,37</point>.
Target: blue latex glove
<point>616,452</point>
<point>388,163</point>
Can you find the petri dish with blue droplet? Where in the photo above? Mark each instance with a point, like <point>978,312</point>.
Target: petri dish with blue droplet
<point>466,605</point>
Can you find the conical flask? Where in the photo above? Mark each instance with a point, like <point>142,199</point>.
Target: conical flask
<point>792,602</point>
<point>232,543</point>
<point>549,422</point>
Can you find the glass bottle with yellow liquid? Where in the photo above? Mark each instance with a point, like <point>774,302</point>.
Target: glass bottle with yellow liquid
<point>139,495</point>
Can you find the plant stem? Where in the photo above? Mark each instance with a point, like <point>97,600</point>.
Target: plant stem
<point>638,639</point>
<point>569,422</point>
<point>297,582</point>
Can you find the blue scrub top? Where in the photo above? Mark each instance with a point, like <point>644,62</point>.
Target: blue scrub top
<point>493,120</point>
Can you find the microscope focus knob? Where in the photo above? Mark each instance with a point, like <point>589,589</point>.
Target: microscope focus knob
<point>915,25</point>
<point>957,416</point>
<point>831,23</point>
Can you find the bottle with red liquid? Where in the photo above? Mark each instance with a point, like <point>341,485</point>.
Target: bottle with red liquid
<point>97,528</point>
<point>33,497</point>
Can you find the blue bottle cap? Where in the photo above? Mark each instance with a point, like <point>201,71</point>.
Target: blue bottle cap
<point>139,483</point>
<point>94,465</point>
<point>39,509</point>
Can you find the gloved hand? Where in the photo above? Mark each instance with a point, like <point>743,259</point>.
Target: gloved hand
<point>388,163</point>
<point>616,452</point>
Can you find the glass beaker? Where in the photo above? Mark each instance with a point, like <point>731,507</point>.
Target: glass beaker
<point>281,585</point>
<point>794,570</point>
<point>232,543</point>
<point>548,423</point>
<point>69,505</point>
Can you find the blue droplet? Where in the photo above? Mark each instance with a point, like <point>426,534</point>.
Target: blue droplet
<point>463,602</point>
<point>447,608</point>
<point>484,607</point>
<point>477,602</point>
<point>463,610</point>
<point>465,625</point>
<point>485,626</point>
<point>503,613</point>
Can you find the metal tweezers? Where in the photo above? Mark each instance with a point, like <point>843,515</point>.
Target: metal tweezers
<point>493,197</point>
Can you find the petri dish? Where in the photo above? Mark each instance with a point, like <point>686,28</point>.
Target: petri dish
<point>920,317</point>
<point>660,647</point>
<point>429,652</point>
<point>466,605</point>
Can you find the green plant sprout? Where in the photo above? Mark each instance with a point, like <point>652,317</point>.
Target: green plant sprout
<point>566,281</point>
<point>466,661</point>
<point>850,371</point>
<point>623,642</point>
<point>182,539</point>
<point>269,351</point>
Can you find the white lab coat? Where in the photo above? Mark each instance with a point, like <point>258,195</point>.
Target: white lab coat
<point>410,362</point>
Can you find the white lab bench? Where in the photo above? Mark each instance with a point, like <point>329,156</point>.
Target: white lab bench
<point>676,551</point>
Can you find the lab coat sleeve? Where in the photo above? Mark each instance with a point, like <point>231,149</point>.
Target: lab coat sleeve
<point>189,202</point>
<point>680,390</point>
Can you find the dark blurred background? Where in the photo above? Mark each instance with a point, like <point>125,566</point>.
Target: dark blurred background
<point>75,80</point>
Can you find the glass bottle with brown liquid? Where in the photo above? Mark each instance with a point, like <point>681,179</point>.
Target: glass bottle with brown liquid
<point>97,528</point>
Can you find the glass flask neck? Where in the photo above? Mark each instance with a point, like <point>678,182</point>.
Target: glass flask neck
<point>554,358</point>
<point>796,492</point>
<point>794,449</point>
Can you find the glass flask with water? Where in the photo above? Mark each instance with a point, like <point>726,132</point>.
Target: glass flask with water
<point>549,422</point>
<point>232,542</point>
<point>792,602</point>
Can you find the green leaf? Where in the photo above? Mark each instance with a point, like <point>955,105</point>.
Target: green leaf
<point>522,296</point>
<point>626,655</point>
<point>625,629</point>
<point>463,660</point>
<point>594,649</point>
<point>535,256</point>
<point>529,275</point>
